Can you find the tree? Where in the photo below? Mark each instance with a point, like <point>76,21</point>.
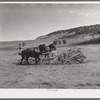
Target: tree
<point>59,42</point>
<point>23,44</point>
<point>64,41</point>
<point>55,42</point>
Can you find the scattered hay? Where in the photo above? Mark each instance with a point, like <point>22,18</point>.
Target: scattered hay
<point>72,56</point>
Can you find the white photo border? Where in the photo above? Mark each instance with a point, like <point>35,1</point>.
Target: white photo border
<point>51,93</point>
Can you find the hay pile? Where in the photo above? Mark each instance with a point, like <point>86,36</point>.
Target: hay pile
<point>72,56</point>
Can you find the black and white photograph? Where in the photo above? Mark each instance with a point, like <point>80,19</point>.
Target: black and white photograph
<point>50,46</point>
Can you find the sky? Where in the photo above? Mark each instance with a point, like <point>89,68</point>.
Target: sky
<point>28,21</point>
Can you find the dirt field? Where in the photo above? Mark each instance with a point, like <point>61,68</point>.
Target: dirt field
<point>74,76</point>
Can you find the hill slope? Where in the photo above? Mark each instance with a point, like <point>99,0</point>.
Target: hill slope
<point>95,29</point>
<point>74,35</point>
<point>78,35</point>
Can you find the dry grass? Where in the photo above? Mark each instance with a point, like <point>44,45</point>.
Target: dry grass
<point>73,76</point>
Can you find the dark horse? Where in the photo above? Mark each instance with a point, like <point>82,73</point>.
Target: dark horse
<point>30,52</point>
<point>47,49</point>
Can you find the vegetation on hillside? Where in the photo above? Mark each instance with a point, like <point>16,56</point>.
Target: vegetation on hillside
<point>74,32</point>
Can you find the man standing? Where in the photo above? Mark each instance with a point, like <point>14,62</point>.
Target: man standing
<point>22,46</point>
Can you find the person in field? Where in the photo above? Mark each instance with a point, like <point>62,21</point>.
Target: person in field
<point>22,46</point>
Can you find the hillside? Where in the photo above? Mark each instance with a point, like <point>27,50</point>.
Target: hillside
<point>95,29</point>
<point>79,35</point>
<point>74,35</point>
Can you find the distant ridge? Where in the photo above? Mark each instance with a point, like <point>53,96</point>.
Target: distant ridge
<point>74,32</point>
<point>95,29</point>
<point>79,35</point>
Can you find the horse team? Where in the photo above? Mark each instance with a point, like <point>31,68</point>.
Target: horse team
<point>35,52</point>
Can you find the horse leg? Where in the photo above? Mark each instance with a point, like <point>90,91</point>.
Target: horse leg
<point>22,59</point>
<point>37,60</point>
<point>45,55</point>
<point>27,60</point>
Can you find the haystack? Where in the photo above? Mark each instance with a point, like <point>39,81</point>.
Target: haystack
<point>71,56</point>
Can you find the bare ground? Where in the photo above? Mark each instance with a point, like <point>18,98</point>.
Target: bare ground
<point>74,76</point>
